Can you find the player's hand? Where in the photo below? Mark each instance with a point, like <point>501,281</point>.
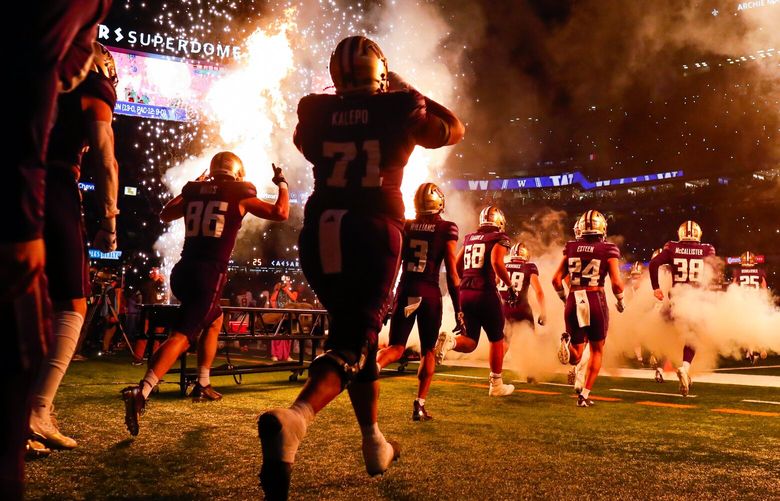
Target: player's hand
<point>203,176</point>
<point>20,263</point>
<point>659,295</point>
<point>460,323</point>
<point>620,306</point>
<point>105,238</point>
<point>396,82</point>
<point>278,175</point>
<point>542,319</point>
<point>562,295</point>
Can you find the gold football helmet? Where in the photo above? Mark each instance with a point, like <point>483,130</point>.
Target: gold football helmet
<point>358,66</point>
<point>519,251</point>
<point>226,163</point>
<point>577,234</point>
<point>636,269</point>
<point>492,216</point>
<point>689,231</point>
<point>103,63</point>
<point>428,199</point>
<point>747,259</point>
<point>593,222</point>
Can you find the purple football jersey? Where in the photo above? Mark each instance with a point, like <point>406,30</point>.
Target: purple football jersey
<point>686,261</point>
<point>520,272</point>
<point>477,269</point>
<point>212,218</point>
<point>749,276</point>
<point>425,244</point>
<point>586,262</point>
<point>359,147</point>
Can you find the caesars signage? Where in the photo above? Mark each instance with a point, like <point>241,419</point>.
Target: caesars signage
<point>164,44</point>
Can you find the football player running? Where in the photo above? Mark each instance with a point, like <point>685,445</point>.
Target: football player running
<point>358,141</point>
<point>213,207</point>
<point>428,240</point>
<point>587,262</point>
<point>748,275</point>
<point>522,274</point>
<point>83,121</point>
<point>480,262</point>
<point>687,259</point>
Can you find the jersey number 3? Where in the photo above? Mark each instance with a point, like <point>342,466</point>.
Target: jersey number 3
<point>205,219</point>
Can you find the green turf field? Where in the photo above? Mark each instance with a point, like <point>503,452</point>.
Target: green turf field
<point>534,444</point>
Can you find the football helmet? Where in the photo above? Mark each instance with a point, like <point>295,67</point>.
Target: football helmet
<point>577,234</point>
<point>428,199</point>
<point>358,66</point>
<point>747,259</point>
<point>227,164</point>
<point>103,63</point>
<point>689,231</point>
<point>593,222</point>
<point>519,251</point>
<point>492,216</point>
<point>636,269</point>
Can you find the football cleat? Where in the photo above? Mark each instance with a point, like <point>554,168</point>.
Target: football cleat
<point>378,464</point>
<point>274,474</point>
<point>419,413</point>
<point>444,343</point>
<point>584,402</point>
<point>135,405</point>
<point>563,350</point>
<point>45,431</point>
<point>579,378</point>
<point>659,376</point>
<point>35,450</point>
<point>498,388</point>
<point>685,381</point>
<point>205,394</point>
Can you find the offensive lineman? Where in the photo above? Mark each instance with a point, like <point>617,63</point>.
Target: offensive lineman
<point>358,141</point>
<point>83,119</point>
<point>587,261</point>
<point>480,263</point>
<point>686,259</point>
<point>212,208</point>
<point>428,240</point>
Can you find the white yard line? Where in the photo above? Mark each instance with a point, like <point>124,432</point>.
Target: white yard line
<point>651,393</point>
<point>751,368</point>
<point>762,402</point>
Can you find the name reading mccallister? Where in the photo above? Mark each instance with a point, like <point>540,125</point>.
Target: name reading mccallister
<point>690,252</point>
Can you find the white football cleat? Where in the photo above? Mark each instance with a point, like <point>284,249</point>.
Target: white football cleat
<point>444,343</point>
<point>498,388</point>
<point>685,381</point>
<point>563,350</point>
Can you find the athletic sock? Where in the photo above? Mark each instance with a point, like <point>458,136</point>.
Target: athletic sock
<point>421,401</point>
<point>686,366</point>
<point>377,451</point>
<point>294,422</point>
<point>148,383</point>
<point>304,410</point>
<point>203,376</point>
<point>67,327</point>
<point>496,377</point>
<point>585,393</point>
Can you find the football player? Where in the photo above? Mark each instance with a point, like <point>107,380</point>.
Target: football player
<point>480,264</point>
<point>358,141</point>
<point>428,240</point>
<point>83,122</point>
<point>52,52</point>
<point>587,262</point>
<point>687,259</point>
<point>748,275</point>
<point>213,207</point>
<point>523,274</point>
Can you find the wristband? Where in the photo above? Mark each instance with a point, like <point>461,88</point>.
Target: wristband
<point>285,187</point>
<point>619,296</point>
<point>561,293</point>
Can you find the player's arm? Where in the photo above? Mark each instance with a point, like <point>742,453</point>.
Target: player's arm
<point>537,285</point>
<point>100,136</point>
<point>662,258</point>
<point>616,280</point>
<point>440,127</point>
<point>497,256</point>
<point>173,210</point>
<point>459,262</point>
<point>763,283</point>
<point>557,279</point>
<point>278,211</point>
<point>453,279</point>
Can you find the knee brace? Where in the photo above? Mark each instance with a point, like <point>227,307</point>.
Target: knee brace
<point>350,364</point>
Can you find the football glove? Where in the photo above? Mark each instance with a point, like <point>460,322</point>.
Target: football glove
<point>620,306</point>
<point>105,238</point>
<point>278,176</point>
<point>460,323</point>
<point>513,298</point>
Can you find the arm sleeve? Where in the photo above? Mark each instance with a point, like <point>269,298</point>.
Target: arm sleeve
<point>452,232</point>
<point>101,140</point>
<point>532,269</point>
